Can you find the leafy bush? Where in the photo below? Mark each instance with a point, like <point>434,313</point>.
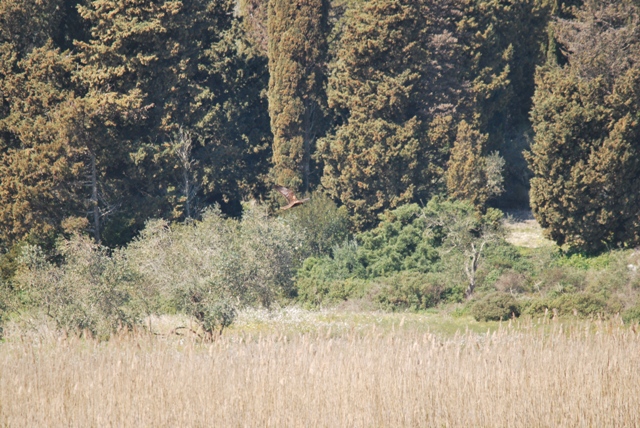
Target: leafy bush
<point>632,315</point>
<point>398,243</point>
<point>90,290</point>
<point>325,280</point>
<point>584,262</point>
<point>408,290</point>
<point>567,304</point>
<point>210,268</point>
<point>443,244</point>
<point>6,303</point>
<point>459,228</point>
<point>562,280</point>
<point>503,256</point>
<point>495,307</point>
<point>322,223</point>
<point>511,282</point>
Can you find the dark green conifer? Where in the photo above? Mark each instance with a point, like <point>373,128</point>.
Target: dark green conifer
<point>40,172</point>
<point>586,186</point>
<point>93,132</point>
<point>467,168</point>
<point>396,91</point>
<point>297,31</point>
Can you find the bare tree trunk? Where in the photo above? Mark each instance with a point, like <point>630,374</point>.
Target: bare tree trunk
<point>184,148</point>
<point>471,267</point>
<point>94,198</point>
<point>187,191</point>
<point>308,137</point>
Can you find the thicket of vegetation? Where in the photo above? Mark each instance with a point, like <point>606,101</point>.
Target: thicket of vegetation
<point>122,126</point>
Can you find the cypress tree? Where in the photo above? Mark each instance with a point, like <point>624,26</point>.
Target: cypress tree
<point>195,75</point>
<point>396,92</point>
<point>504,41</point>
<point>469,173</point>
<point>586,186</point>
<point>89,133</point>
<point>40,174</point>
<point>297,32</point>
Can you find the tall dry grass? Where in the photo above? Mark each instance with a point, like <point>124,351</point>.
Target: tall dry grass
<point>586,375</point>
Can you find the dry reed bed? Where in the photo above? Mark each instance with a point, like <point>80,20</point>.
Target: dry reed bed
<point>525,377</point>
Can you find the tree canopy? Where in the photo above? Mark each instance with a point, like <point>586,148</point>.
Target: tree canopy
<point>586,120</point>
<point>114,113</point>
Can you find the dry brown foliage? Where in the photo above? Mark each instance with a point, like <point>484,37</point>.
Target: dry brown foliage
<point>586,375</point>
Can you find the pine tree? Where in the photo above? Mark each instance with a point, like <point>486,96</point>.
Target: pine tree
<point>297,32</point>
<point>585,159</point>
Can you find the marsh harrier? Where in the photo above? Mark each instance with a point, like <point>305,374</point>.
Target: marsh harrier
<point>291,198</point>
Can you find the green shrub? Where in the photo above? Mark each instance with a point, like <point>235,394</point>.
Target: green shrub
<point>567,304</point>
<point>322,223</point>
<point>399,243</point>
<point>583,261</point>
<point>632,315</point>
<point>512,282</point>
<point>440,240</point>
<point>6,303</point>
<point>91,290</point>
<point>408,290</point>
<point>495,307</point>
<point>325,280</point>
<point>504,256</point>
<point>562,280</point>
<point>400,291</point>
<point>211,268</point>
<point>210,308</point>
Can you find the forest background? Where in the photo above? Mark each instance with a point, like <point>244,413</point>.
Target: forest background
<point>408,121</point>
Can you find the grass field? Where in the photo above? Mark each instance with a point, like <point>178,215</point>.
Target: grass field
<point>524,231</point>
<point>329,369</point>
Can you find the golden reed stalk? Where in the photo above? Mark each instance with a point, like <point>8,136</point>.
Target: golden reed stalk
<point>585,375</point>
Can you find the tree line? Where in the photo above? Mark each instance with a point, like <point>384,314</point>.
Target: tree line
<point>112,113</point>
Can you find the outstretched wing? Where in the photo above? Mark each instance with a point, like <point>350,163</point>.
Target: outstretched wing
<point>287,193</point>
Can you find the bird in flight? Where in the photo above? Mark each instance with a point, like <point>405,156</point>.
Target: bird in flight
<point>291,198</point>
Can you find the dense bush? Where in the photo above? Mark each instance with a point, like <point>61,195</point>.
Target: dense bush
<point>511,282</point>
<point>6,303</point>
<point>207,269</point>
<point>90,291</point>
<point>322,223</point>
<point>568,304</point>
<point>496,306</point>
<point>325,280</point>
<point>210,268</point>
<point>400,242</point>
<point>408,290</point>
<point>431,253</point>
<point>632,315</point>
